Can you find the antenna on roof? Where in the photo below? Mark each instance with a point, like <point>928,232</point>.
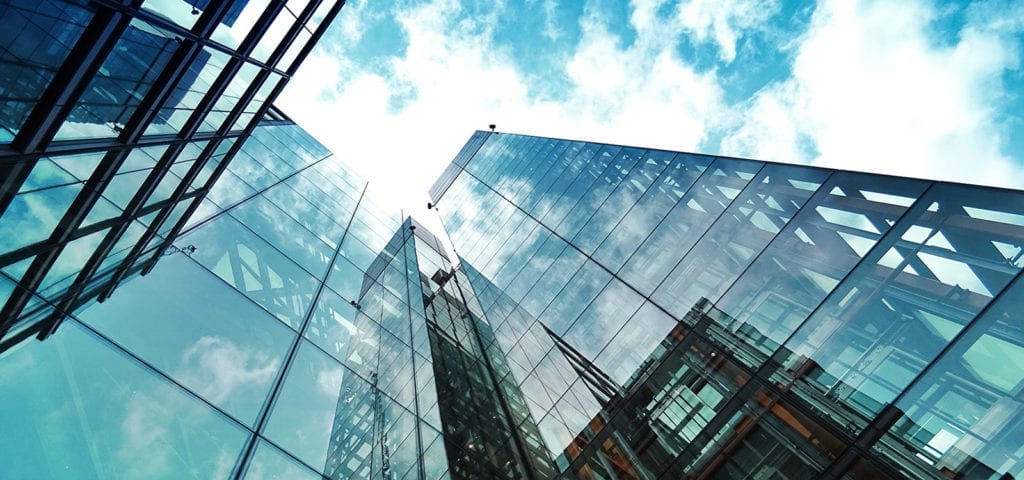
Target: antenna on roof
<point>492,126</point>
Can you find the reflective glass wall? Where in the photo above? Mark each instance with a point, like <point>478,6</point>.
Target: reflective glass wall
<point>282,335</point>
<point>673,315</point>
<point>488,430</point>
<point>116,120</point>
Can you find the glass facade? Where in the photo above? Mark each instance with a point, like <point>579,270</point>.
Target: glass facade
<point>673,315</point>
<point>117,118</point>
<point>248,351</point>
<point>191,286</point>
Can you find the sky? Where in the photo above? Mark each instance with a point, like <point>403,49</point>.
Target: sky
<point>929,89</point>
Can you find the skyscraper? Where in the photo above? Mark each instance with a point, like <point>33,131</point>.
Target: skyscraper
<point>672,315</point>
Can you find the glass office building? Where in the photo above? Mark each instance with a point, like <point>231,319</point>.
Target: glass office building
<point>673,315</point>
<point>116,119</point>
<point>274,340</point>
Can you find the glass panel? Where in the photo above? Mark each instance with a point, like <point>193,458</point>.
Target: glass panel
<point>124,244</point>
<point>963,418</point>
<point>74,404</point>
<point>196,82</point>
<point>7,286</point>
<point>345,333</point>
<point>324,412</point>
<point>34,215</point>
<point>253,267</point>
<point>603,318</point>
<point>295,205</point>
<point>274,35</point>
<point>689,394</point>
<point>124,79</point>
<point>292,53</point>
<point>228,100</point>
<point>585,169</point>
<point>36,38</point>
<point>69,263</point>
<point>237,24</point>
<point>914,291</point>
<point>684,225</point>
<point>593,200</point>
<point>200,332</point>
<point>181,12</point>
<point>250,164</point>
<point>269,463</point>
<point>275,226</point>
<point>124,186</point>
<point>144,158</point>
<point>229,189</point>
<point>626,194</point>
<point>80,166</point>
<point>574,298</point>
<point>552,276</point>
<point>802,265</point>
<point>637,341</point>
<point>319,14</point>
<point>356,252</point>
<point>103,209</point>
<point>46,174</point>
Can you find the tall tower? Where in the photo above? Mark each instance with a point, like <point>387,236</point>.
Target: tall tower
<point>675,315</point>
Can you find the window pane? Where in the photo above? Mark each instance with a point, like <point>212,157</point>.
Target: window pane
<point>269,463</point>
<point>199,331</point>
<point>182,12</point>
<point>963,418</point>
<point>190,90</point>
<point>916,289</point>
<point>805,262</point>
<point>237,24</point>
<point>34,215</point>
<point>107,417</point>
<point>36,39</point>
<point>692,215</point>
<point>253,267</point>
<point>124,79</point>
<point>323,409</point>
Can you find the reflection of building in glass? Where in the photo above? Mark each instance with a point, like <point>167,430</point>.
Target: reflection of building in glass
<point>615,312</point>
<point>234,10</point>
<point>671,315</point>
<point>488,431</point>
<point>276,339</point>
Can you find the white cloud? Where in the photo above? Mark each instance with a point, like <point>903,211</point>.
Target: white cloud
<point>873,91</point>
<point>403,128</point>
<point>724,21</point>
<point>353,25</point>
<point>870,90</point>
<point>551,29</point>
<point>142,432</point>
<point>216,368</point>
<point>328,381</point>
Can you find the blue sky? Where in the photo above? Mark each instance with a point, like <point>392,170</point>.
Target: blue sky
<point>921,88</point>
